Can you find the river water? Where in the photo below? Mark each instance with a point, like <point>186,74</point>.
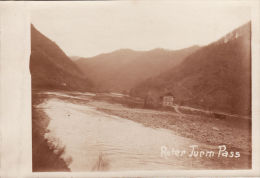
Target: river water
<point>95,141</point>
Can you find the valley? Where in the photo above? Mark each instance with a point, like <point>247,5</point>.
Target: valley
<point>107,112</point>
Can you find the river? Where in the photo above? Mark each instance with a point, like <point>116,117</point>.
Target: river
<point>95,141</point>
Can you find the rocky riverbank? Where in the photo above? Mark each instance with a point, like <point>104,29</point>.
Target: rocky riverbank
<point>233,132</point>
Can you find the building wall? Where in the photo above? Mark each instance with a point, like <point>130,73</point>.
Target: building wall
<point>167,101</point>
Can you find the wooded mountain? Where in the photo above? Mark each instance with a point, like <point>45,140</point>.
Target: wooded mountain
<point>215,77</point>
<point>51,68</point>
<point>121,70</point>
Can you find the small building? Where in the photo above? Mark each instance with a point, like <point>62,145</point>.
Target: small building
<point>153,100</point>
<point>167,100</point>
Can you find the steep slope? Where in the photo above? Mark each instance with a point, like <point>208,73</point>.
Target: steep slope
<point>121,70</point>
<point>51,68</point>
<point>216,77</point>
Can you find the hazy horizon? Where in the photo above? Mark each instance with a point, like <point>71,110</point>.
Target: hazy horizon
<point>87,29</point>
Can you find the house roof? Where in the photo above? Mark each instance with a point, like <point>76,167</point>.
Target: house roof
<point>168,94</point>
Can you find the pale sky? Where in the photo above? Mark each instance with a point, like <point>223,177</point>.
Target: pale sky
<point>86,29</point>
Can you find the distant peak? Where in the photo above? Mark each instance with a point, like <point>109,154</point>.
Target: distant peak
<point>124,49</point>
<point>159,50</point>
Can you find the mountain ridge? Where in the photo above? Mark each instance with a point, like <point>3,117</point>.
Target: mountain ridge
<point>215,77</point>
<point>122,69</point>
<point>51,68</point>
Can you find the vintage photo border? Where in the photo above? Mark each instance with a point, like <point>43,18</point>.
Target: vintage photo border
<point>15,90</point>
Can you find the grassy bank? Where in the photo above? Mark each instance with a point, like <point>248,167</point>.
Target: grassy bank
<point>43,157</point>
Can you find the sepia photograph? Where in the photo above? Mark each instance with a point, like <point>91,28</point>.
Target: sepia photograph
<point>130,88</point>
<point>138,85</point>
